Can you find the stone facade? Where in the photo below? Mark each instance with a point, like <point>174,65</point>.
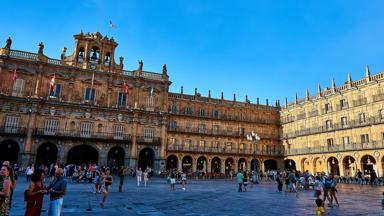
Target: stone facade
<point>339,130</point>
<point>86,108</point>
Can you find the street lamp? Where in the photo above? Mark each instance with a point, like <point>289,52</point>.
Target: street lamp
<point>254,138</point>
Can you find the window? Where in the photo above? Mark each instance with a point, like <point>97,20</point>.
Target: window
<point>148,133</point>
<point>344,121</point>
<point>343,104</point>
<point>346,140</point>
<point>118,131</point>
<point>266,149</point>
<point>99,128</point>
<point>173,109</point>
<point>364,138</point>
<point>173,125</point>
<point>215,129</point>
<point>188,143</point>
<point>55,93</point>
<point>241,147</point>
<point>18,88</point>
<point>362,118</point>
<point>327,107</point>
<point>89,94</point>
<point>202,144</point>
<point>72,126</point>
<point>216,144</point>
<point>188,110</point>
<point>202,128</point>
<point>330,142</point>
<point>216,114</point>
<point>86,129</point>
<point>12,124</point>
<point>328,124</point>
<point>188,126</point>
<point>172,141</point>
<point>228,146</point>
<point>202,112</point>
<point>122,99</point>
<point>51,126</point>
<point>151,98</point>
<point>242,132</point>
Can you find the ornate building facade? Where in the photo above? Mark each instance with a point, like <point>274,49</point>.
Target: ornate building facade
<point>86,108</point>
<point>339,130</point>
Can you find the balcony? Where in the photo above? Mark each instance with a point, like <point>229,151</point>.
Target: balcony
<point>13,131</point>
<point>214,150</point>
<point>81,135</point>
<point>148,140</point>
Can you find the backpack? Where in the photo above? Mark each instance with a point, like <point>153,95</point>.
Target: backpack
<point>328,183</point>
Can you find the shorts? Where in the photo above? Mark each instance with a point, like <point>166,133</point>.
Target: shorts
<point>173,181</point>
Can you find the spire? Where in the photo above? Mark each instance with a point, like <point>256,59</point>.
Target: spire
<point>266,101</point>
<point>182,90</point>
<point>209,93</point>
<point>234,97</point>
<point>246,99</point>
<point>307,95</point>
<point>195,91</point>
<point>333,86</point>
<point>222,95</point>
<point>296,100</point>
<point>286,102</point>
<point>367,74</point>
<point>349,82</point>
<point>257,101</point>
<point>318,90</point>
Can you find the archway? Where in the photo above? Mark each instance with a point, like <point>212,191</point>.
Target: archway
<point>116,156</point>
<point>253,161</point>
<point>202,164</point>
<point>349,166</point>
<point>186,164</point>
<point>333,166</point>
<point>305,165</point>
<point>172,162</point>
<point>146,158</point>
<point>216,165</point>
<point>368,164</point>
<point>9,151</point>
<point>242,164</point>
<point>290,164</point>
<point>228,165</point>
<point>319,165</point>
<point>270,165</point>
<point>46,154</point>
<point>83,154</point>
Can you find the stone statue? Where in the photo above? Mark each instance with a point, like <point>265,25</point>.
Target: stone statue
<point>165,69</point>
<point>141,65</point>
<point>41,48</point>
<point>63,53</point>
<point>8,43</point>
<point>121,62</point>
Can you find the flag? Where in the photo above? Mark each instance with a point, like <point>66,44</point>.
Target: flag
<point>111,25</point>
<point>14,77</point>
<point>53,82</point>
<point>125,88</point>
<point>93,79</point>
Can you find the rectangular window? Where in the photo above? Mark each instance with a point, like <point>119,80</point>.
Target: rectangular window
<point>55,93</point>
<point>362,118</point>
<point>364,138</point>
<point>172,141</point>
<point>202,112</point>
<point>344,121</point>
<point>328,124</point>
<point>228,146</point>
<point>86,129</point>
<point>242,132</point>
<point>18,88</point>
<point>202,128</point>
<point>148,133</point>
<point>122,99</point>
<point>51,126</point>
<point>118,131</point>
<point>188,110</point>
<point>173,109</point>
<point>346,140</point>
<point>202,144</point>
<point>188,143</point>
<point>89,94</point>
<point>330,142</point>
<point>343,104</point>
<point>173,125</point>
<point>328,107</point>
<point>151,101</point>
<point>216,114</point>
<point>241,147</point>
<point>215,129</point>
<point>12,124</point>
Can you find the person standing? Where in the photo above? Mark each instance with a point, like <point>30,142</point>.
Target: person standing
<point>108,180</point>
<point>146,177</point>
<point>57,190</point>
<point>139,173</point>
<point>279,182</point>
<point>121,174</point>
<point>13,177</point>
<point>173,179</point>
<point>35,194</point>
<point>29,172</point>
<point>245,181</point>
<point>5,191</point>
<point>239,178</point>
<point>184,179</point>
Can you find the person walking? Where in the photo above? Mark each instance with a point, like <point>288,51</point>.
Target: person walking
<point>57,190</point>
<point>239,178</point>
<point>5,191</point>
<point>13,177</point>
<point>139,173</point>
<point>146,177</point>
<point>29,172</point>
<point>245,181</point>
<point>173,179</point>
<point>121,174</point>
<point>333,191</point>
<point>279,182</point>
<point>35,194</point>
<point>107,182</point>
<point>184,179</point>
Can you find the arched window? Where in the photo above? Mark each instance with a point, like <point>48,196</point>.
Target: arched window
<point>107,59</point>
<point>95,54</point>
<point>80,55</point>
<point>99,128</point>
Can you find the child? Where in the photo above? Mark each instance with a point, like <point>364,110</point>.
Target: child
<point>320,210</point>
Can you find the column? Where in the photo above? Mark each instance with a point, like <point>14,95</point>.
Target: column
<point>222,165</point>
<point>163,144</point>
<point>379,167</point>
<point>209,166</point>
<point>28,154</point>
<point>194,165</point>
<point>133,156</point>
<point>262,167</point>
<point>179,163</point>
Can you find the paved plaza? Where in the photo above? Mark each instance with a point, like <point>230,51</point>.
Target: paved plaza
<point>206,197</point>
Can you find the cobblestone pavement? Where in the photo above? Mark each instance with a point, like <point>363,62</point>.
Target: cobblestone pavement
<point>206,197</point>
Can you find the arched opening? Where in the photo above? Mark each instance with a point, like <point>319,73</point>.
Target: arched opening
<point>186,164</point>
<point>290,164</point>
<point>202,164</point>
<point>46,154</point>
<point>80,55</point>
<point>368,163</point>
<point>116,156</point>
<point>270,165</point>
<point>228,165</point>
<point>146,158</point>
<point>333,166</point>
<point>216,165</point>
<point>9,151</point>
<point>305,165</point>
<point>349,166</point>
<point>107,59</point>
<point>242,164</point>
<point>172,162</point>
<point>95,54</point>
<point>83,154</point>
<point>253,162</point>
<point>319,165</point>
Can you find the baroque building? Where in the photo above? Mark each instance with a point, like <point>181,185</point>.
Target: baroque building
<point>339,130</point>
<point>86,108</point>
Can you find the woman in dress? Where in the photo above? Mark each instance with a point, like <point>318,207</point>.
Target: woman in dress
<point>35,194</point>
<point>5,191</point>
<point>107,182</point>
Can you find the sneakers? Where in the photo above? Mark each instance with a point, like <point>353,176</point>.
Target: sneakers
<point>183,188</point>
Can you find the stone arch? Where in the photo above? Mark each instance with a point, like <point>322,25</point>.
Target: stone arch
<point>9,151</point>
<point>349,166</point>
<point>186,163</point>
<point>319,165</point>
<point>172,162</point>
<point>83,154</point>
<point>368,164</point>
<point>202,164</point>
<point>270,164</point>
<point>216,165</point>
<point>242,164</point>
<point>333,166</point>
<point>146,158</point>
<point>290,164</point>
<point>305,164</point>
<point>116,156</point>
<point>229,162</point>
<point>46,154</point>
<point>253,161</point>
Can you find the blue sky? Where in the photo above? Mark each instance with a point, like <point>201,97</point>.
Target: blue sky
<point>263,48</point>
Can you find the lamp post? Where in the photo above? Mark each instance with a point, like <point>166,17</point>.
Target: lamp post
<point>254,138</point>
